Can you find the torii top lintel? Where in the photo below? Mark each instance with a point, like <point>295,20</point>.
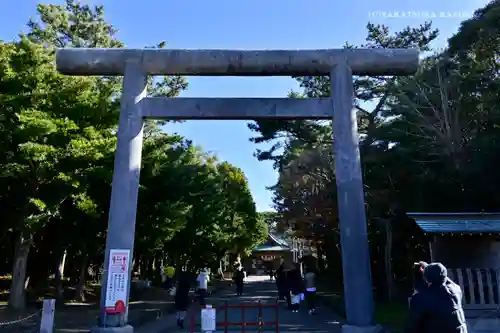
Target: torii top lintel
<point>95,61</point>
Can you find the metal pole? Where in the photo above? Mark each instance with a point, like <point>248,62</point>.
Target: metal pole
<point>351,205</point>
<point>125,185</point>
<point>259,319</point>
<point>226,304</point>
<point>242,318</point>
<point>276,315</point>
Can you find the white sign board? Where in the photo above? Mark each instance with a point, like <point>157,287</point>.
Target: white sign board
<point>208,319</point>
<point>47,322</point>
<point>117,284</point>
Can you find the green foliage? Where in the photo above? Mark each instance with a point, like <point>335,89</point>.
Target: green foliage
<point>169,270</point>
<point>271,219</point>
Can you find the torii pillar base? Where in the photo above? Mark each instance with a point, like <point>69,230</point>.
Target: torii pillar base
<point>362,329</point>
<point>122,329</point>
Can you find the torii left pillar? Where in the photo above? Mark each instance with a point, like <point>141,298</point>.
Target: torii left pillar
<point>125,185</point>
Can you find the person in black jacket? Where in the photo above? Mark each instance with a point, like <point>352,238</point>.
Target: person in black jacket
<point>181,298</point>
<point>270,271</point>
<point>283,284</point>
<point>296,285</point>
<point>437,308</point>
<point>239,280</point>
<point>280,275</point>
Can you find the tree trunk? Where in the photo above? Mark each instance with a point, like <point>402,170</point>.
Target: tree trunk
<point>59,276</point>
<point>21,251</point>
<point>161,263</point>
<point>156,278</point>
<point>321,259</point>
<point>143,267</point>
<point>80,286</point>
<point>151,269</point>
<point>388,259</point>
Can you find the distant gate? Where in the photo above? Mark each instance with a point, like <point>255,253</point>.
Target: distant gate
<point>254,324</point>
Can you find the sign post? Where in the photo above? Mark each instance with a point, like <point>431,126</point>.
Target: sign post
<point>117,283</point>
<point>208,316</point>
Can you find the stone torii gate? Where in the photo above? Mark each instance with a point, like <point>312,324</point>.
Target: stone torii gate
<point>136,64</point>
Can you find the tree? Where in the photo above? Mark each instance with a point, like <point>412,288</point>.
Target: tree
<point>272,219</point>
<point>35,100</point>
<point>307,156</point>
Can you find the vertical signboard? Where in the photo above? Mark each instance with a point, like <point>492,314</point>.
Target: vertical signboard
<point>208,316</point>
<point>47,321</point>
<point>117,284</point>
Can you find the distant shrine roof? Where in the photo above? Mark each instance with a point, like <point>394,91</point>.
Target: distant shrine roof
<point>273,244</point>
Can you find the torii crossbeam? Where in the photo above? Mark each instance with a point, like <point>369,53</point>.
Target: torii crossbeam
<point>136,64</point>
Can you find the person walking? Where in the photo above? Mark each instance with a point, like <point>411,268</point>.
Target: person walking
<point>202,285</point>
<point>283,283</point>
<point>239,280</point>
<point>281,280</point>
<point>181,298</point>
<point>438,307</point>
<point>296,288</point>
<point>286,289</point>
<point>270,271</point>
<point>310,295</point>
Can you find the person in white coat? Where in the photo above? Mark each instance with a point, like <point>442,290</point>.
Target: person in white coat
<point>202,285</point>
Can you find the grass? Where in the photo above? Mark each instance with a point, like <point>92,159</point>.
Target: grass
<point>391,314</point>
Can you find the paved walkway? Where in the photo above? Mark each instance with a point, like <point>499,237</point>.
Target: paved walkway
<point>483,321</point>
<point>256,289</point>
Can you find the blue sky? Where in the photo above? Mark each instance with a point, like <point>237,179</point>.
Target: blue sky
<point>250,24</point>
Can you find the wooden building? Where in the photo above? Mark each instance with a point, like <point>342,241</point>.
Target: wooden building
<point>268,255</point>
<point>468,244</point>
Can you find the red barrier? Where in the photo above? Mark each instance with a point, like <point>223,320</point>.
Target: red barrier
<point>243,323</point>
